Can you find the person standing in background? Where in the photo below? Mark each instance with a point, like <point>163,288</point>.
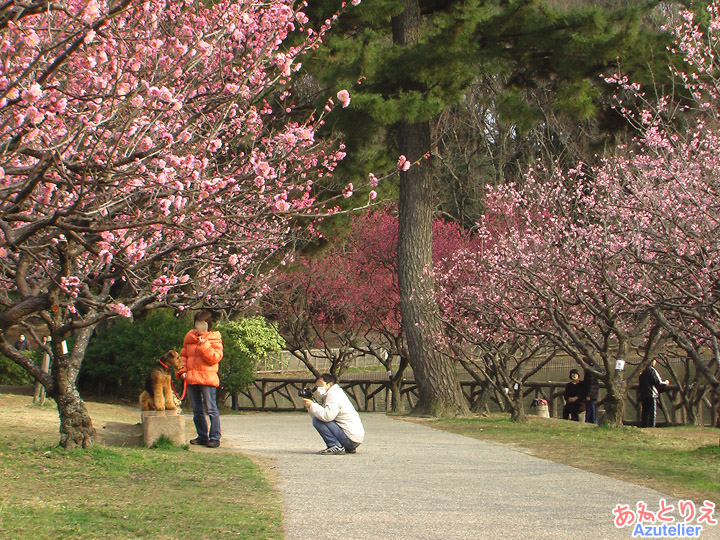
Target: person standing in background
<point>591,388</point>
<point>649,387</point>
<point>22,344</point>
<point>574,397</point>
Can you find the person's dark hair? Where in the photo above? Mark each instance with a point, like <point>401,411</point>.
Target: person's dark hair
<point>329,378</point>
<point>204,316</point>
<point>574,372</point>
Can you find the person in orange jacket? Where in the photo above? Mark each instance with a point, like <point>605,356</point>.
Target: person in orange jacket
<point>201,354</point>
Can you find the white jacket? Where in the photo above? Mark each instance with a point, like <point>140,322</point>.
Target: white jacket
<point>337,407</point>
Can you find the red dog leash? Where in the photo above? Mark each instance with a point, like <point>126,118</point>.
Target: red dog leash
<point>175,391</point>
<point>173,383</point>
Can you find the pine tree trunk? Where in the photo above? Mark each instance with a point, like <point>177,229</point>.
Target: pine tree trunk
<point>438,384</point>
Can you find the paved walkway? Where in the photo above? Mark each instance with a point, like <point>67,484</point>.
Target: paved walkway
<point>409,481</point>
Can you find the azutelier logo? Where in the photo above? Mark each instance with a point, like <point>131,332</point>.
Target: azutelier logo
<point>645,523</point>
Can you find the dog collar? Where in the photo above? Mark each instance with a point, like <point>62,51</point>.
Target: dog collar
<point>163,365</point>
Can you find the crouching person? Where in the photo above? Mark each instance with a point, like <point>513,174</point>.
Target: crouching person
<point>334,417</point>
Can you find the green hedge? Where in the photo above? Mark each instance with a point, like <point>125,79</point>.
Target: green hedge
<point>122,353</point>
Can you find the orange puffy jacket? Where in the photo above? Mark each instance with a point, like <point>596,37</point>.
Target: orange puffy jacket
<point>201,361</point>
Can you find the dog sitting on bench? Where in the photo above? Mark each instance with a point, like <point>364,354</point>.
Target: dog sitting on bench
<point>158,393</point>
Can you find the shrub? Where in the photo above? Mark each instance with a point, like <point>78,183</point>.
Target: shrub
<point>245,343</point>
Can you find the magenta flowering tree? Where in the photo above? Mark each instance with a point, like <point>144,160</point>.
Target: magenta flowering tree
<point>303,302</point>
<point>348,298</point>
<point>152,155</point>
<point>346,301</point>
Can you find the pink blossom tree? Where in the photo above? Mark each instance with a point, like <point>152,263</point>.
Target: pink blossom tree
<point>152,155</point>
<point>495,352</point>
<point>547,280</point>
<point>623,255</point>
<point>667,191</point>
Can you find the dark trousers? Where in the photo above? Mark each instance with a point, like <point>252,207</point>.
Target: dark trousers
<point>648,412</point>
<point>572,411</point>
<point>590,412</point>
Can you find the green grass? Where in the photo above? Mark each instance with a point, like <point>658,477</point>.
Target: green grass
<point>129,492</point>
<point>683,461</point>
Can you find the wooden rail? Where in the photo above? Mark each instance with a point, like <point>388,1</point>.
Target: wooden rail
<point>372,394</point>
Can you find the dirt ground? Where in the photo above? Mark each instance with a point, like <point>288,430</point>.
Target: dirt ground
<point>116,424</point>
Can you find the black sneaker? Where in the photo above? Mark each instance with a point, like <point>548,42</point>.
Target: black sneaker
<point>213,443</point>
<point>348,451</point>
<point>199,441</point>
<point>333,450</point>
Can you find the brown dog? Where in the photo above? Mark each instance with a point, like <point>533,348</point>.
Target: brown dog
<point>158,393</point>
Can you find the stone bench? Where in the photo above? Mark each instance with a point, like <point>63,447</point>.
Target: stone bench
<point>158,423</point>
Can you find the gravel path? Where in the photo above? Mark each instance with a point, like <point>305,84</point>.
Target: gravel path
<point>409,481</point>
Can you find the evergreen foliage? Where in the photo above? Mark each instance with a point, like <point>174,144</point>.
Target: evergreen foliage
<point>12,374</point>
<point>121,354</point>
<point>518,46</point>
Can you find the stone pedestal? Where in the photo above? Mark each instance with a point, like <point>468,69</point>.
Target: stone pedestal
<point>158,423</point>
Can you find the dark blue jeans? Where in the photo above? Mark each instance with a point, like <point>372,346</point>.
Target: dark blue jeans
<point>205,395</point>
<point>333,435</point>
<point>590,412</point>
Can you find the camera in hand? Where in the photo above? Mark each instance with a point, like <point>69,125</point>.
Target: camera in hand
<point>305,393</point>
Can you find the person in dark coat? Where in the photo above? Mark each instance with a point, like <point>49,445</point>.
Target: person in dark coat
<point>574,397</point>
<point>22,344</point>
<point>649,387</point>
<point>591,386</point>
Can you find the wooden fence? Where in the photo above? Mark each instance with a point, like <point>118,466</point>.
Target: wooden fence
<point>372,394</point>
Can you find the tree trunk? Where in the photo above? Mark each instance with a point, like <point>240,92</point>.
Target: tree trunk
<point>517,407</point>
<point>76,427</point>
<point>439,390</point>
<point>396,404</point>
<point>480,405</point>
<point>615,399</point>
<point>396,382</point>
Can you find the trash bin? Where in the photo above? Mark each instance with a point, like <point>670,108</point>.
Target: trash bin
<point>542,411</point>
<point>540,406</point>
